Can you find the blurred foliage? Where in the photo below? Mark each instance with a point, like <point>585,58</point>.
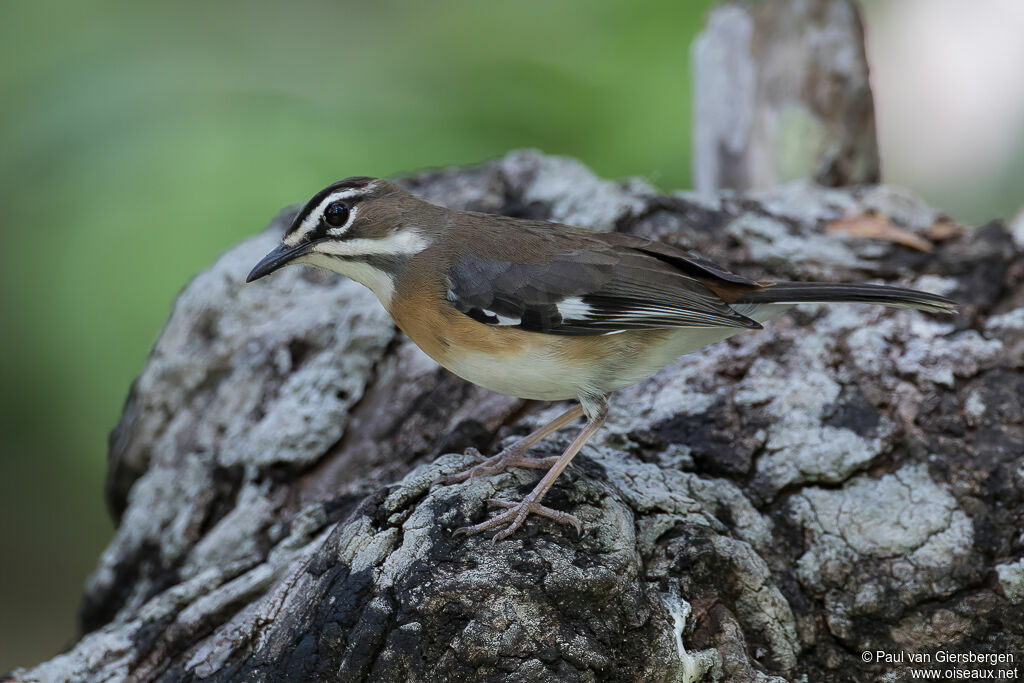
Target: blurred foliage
<point>140,139</point>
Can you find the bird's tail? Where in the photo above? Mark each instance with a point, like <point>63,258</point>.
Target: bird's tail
<point>827,292</point>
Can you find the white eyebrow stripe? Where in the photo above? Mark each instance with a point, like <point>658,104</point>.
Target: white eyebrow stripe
<point>312,219</point>
<point>405,243</point>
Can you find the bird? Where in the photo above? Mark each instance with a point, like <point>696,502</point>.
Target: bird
<point>537,309</point>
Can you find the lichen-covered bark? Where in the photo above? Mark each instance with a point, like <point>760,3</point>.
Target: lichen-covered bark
<point>849,479</point>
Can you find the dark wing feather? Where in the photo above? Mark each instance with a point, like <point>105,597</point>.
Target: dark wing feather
<point>600,289</point>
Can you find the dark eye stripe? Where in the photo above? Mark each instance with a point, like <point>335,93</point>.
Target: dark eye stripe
<point>316,200</point>
<point>311,206</point>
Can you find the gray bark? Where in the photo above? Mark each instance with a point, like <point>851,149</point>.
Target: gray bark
<point>782,92</point>
<point>848,479</point>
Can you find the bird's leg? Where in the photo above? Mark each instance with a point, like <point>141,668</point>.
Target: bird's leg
<point>516,513</point>
<point>515,455</point>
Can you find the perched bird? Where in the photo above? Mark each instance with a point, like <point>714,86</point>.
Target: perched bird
<point>536,309</point>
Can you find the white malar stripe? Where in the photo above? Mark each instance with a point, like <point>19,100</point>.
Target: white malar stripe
<point>379,282</point>
<point>310,222</point>
<point>404,243</point>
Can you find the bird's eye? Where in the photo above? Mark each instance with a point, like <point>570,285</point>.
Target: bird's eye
<point>336,214</point>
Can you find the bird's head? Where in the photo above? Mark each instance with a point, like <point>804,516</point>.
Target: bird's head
<point>358,227</point>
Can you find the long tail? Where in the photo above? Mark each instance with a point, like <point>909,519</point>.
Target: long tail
<point>827,292</point>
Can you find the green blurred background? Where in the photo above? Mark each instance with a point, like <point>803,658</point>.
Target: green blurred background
<point>138,140</point>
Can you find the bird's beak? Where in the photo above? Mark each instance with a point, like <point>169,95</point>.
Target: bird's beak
<point>279,257</point>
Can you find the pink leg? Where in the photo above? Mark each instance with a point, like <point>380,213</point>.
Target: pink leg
<point>517,513</point>
<point>515,455</point>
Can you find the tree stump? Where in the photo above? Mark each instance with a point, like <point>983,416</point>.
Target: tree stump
<point>847,480</point>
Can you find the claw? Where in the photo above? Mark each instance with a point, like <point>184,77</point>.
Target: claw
<point>515,515</point>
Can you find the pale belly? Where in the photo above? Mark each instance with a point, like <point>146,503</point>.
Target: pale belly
<point>534,374</point>
<point>567,367</point>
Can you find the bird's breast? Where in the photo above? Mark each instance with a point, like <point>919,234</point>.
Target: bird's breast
<point>503,359</point>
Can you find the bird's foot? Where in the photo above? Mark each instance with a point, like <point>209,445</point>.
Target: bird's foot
<point>515,515</point>
<point>496,464</point>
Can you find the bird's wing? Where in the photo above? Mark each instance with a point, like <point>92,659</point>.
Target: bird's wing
<point>599,285</point>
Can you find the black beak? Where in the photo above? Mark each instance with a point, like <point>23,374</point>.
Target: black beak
<point>276,259</point>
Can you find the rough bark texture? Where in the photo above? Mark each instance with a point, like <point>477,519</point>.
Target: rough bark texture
<point>782,92</point>
<point>848,479</point>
